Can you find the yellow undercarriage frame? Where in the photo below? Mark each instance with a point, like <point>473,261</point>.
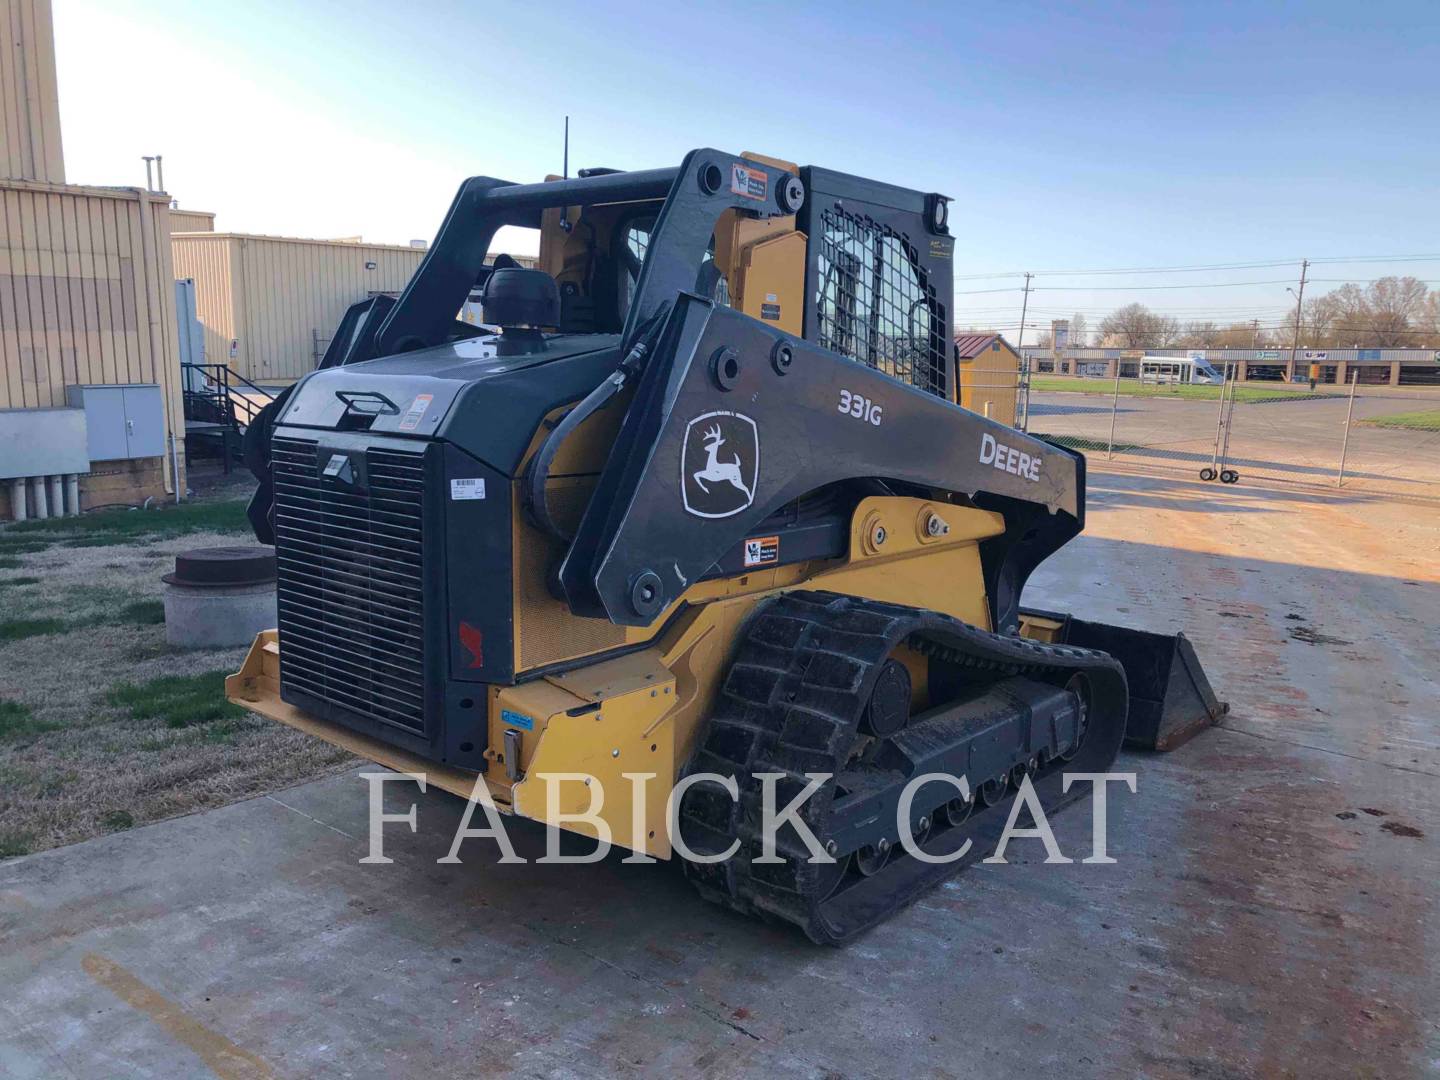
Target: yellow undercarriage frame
<point>640,713</point>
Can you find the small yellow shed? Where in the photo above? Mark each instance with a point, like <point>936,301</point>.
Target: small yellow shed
<point>988,374</point>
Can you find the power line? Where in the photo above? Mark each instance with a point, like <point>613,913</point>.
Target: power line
<point>1197,269</point>
<point>1188,285</point>
<point>1277,326</point>
<point>1147,288</point>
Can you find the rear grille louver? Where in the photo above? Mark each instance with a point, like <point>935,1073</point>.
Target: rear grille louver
<point>351,585</point>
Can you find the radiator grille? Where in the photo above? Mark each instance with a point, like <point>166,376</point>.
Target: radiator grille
<point>351,598</point>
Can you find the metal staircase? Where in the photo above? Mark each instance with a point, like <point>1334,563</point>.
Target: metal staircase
<point>220,404</point>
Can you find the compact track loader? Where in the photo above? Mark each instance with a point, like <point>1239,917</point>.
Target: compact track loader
<point>695,497</point>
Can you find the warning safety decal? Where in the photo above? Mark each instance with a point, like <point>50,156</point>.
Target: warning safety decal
<point>416,412</point>
<point>748,183</point>
<point>762,550</point>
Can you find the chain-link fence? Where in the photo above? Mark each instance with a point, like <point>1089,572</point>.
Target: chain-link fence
<point>1374,438</point>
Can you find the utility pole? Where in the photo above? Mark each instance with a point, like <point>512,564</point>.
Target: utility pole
<point>565,168</point>
<point>1255,326</point>
<point>1299,299</point>
<point>1025,306</point>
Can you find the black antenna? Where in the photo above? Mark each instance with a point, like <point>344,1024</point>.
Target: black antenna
<point>565,169</point>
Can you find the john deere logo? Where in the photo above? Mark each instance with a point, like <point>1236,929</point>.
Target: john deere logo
<point>719,464</point>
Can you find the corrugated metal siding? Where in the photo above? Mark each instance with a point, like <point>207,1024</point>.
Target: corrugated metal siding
<point>273,295</point>
<point>30,147</point>
<point>207,260</point>
<point>84,296</point>
<point>192,221</point>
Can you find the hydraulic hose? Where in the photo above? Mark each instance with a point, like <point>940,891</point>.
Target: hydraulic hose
<point>538,471</point>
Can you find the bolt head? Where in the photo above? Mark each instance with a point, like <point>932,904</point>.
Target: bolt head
<point>879,535</point>
<point>883,846</point>
<point>831,847</point>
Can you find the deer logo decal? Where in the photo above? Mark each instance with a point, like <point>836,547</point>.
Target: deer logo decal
<point>719,464</point>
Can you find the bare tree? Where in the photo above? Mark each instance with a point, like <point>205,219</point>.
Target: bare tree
<point>1199,335</point>
<point>1241,335</point>
<point>1079,331</point>
<point>1135,326</point>
<point>1395,306</point>
<point>1429,321</point>
<point>1385,314</point>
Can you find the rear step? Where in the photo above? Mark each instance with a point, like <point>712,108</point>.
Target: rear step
<point>1171,700</point>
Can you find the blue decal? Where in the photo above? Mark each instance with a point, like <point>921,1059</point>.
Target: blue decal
<point>517,720</point>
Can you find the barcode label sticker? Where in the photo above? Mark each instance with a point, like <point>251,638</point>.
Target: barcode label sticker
<point>473,488</point>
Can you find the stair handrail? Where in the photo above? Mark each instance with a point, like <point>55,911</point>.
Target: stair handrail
<point>223,379</point>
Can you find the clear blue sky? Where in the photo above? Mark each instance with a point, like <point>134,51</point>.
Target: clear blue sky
<point>1122,135</point>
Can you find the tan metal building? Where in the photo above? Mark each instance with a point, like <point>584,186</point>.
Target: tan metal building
<point>191,220</point>
<point>87,304</point>
<point>270,303</point>
<point>30,147</point>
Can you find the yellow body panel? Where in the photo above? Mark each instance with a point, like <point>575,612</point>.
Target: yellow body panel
<point>641,712</point>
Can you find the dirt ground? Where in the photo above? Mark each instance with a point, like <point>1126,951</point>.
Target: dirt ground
<point>81,612</point>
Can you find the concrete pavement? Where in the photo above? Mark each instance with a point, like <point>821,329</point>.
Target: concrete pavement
<point>1297,441</point>
<point>1272,910</point>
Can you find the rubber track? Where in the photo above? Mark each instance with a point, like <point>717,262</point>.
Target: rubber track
<point>791,704</point>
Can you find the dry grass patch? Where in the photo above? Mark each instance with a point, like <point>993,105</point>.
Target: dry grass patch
<point>103,725</point>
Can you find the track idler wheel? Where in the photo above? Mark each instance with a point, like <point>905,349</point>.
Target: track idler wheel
<point>871,859</point>
<point>1079,685</point>
<point>1029,767</point>
<point>993,791</point>
<point>958,810</point>
<point>889,707</point>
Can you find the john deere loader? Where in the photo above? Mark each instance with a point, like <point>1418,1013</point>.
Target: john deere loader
<point>693,496</point>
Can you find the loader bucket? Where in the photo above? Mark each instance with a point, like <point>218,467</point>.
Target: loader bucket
<point>1171,700</point>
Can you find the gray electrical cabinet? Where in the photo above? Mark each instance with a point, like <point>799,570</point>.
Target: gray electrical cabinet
<point>42,442</point>
<point>122,421</point>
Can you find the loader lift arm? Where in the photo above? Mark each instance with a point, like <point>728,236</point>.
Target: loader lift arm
<point>706,184</point>
<point>637,547</point>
